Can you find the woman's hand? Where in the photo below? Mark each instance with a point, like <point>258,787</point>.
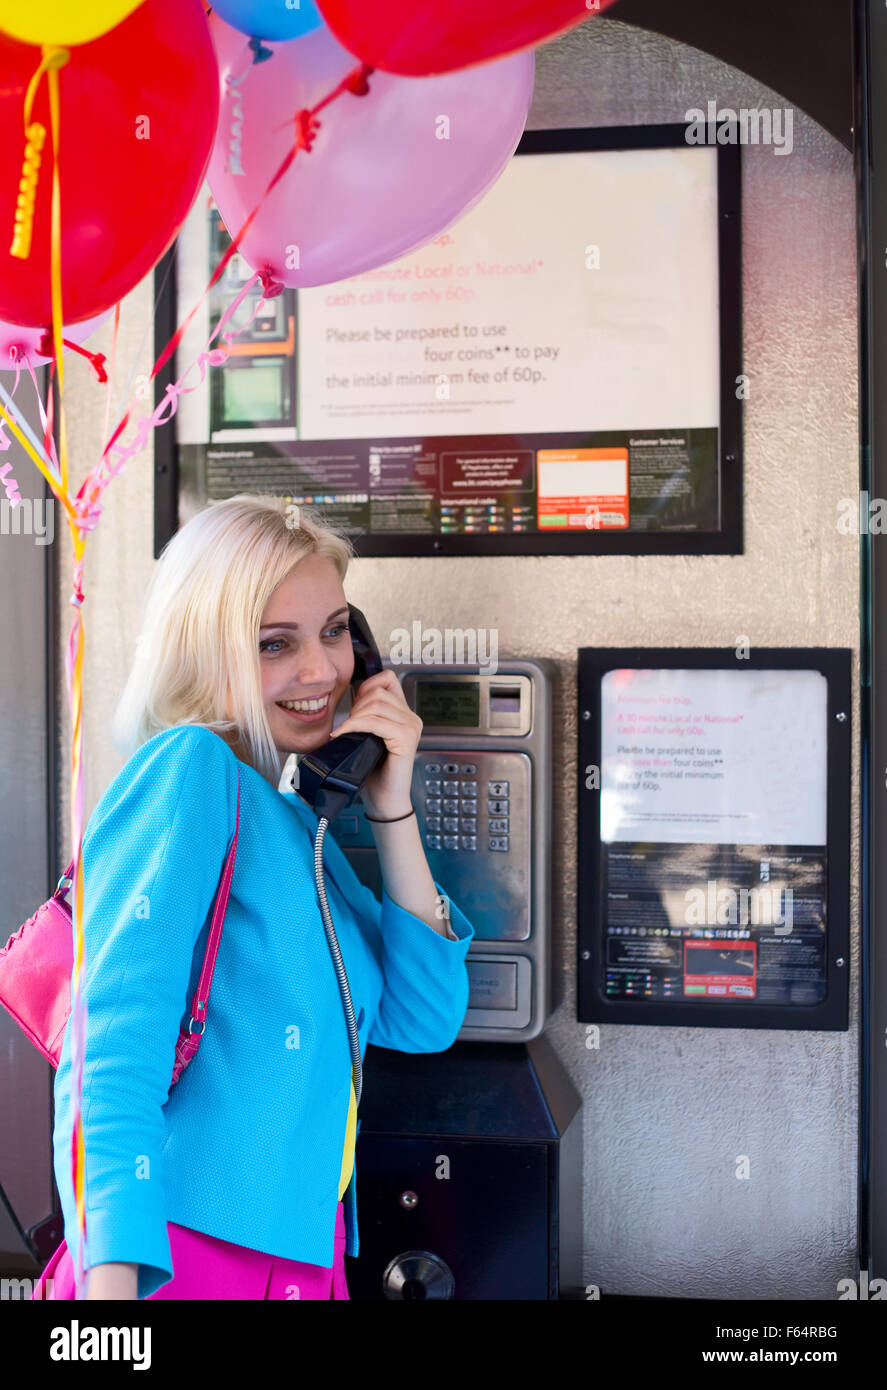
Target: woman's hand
<point>381,708</point>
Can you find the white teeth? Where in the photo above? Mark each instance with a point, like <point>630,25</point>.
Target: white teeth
<point>308,706</point>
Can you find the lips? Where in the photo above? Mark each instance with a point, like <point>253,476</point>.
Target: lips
<point>306,716</point>
<point>314,702</point>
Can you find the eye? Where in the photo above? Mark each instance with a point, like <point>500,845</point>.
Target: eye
<point>337,630</point>
<point>270,642</point>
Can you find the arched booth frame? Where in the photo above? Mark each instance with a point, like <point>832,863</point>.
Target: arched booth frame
<point>832,65</point>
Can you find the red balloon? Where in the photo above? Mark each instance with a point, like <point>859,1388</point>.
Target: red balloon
<point>417,38</point>
<point>138,114</point>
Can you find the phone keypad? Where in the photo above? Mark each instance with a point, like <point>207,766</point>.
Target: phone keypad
<point>453,806</point>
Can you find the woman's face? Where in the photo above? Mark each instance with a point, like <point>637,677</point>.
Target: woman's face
<point>305,654</point>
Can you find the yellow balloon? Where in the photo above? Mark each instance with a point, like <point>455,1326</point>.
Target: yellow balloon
<point>61,21</point>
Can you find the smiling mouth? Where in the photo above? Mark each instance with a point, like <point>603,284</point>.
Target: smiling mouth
<point>315,706</point>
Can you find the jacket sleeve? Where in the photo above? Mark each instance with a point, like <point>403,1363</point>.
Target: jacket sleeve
<point>425,994</point>
<point>425,978</point>
<point>153,854</point>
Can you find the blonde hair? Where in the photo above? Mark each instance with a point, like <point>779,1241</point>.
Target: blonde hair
<point>197,653</point>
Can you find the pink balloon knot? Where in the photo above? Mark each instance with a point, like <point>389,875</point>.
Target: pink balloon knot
<point>271,287</point>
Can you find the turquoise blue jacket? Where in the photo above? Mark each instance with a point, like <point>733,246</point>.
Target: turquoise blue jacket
<point>247,1146</point>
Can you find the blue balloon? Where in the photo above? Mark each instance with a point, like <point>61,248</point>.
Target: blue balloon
<point>270,19</point>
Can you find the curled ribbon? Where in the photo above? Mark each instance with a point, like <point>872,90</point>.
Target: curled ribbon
<point>233,164</point>
<point>88,504</point>
<point>12,493</point>
<point>53,58</point>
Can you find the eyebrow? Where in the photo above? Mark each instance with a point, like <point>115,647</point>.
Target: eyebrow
<point>267,626</point>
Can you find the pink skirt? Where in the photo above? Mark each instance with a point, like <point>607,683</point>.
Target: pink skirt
<point>207,1268</point>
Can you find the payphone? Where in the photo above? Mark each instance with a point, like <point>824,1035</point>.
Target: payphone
<point>505,1118</point>
<point>482,794</point>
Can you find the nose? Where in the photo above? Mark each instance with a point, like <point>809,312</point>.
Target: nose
<point>315,665</point>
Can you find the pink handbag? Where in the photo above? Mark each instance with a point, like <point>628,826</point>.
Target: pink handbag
<point>37,962</point>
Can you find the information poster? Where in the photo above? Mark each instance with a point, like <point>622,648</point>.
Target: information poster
<point>713,834</point>
<point>548,366</point>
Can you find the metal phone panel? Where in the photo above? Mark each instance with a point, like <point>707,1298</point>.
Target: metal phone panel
<point>474,816</point>
<point>494,790</point>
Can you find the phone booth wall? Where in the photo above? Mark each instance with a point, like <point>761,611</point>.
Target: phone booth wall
<point>667,1113</point>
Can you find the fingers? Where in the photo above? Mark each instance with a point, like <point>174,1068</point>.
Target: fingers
<point>383,697</point>
<point>383,706</point>
<point>397,736</point>
<point>382,680</point>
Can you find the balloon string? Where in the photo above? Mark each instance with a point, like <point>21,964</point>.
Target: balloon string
<point>168,406</point>
<point>354,82</point>
<point>18,423</point>
<point>88,502</point>
<point>49,449</point>
<point>83,516</point>
<point>111,370</point>
<point>54,57</point>
<point>306,129</point>
<point>32,451</point>
<point>49,423</point>
<point>96,360</point>
<point>55,266</point>
<point>6,475</point>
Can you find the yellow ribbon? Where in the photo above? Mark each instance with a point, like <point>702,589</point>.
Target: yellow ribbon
<point>54,57</point>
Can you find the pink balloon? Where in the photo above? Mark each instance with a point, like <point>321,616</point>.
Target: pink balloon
<point>379,181</point>
<point>18,344</point>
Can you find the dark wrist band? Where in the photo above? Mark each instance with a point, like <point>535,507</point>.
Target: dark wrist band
<point>385,820</point>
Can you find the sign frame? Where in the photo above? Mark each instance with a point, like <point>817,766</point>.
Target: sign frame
<point>727,539</point>
<point>830,1014</point>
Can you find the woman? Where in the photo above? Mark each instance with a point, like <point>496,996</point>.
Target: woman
<point>239,1181</point>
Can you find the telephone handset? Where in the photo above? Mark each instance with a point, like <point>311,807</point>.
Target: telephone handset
<point>331,776</point>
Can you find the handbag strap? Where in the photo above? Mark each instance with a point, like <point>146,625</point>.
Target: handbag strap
<point>204,984</point>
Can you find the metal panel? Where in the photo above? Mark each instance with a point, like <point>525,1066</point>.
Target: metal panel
<point>871,172</point>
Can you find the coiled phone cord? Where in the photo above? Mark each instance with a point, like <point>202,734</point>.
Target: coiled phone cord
<point>332,942</point>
